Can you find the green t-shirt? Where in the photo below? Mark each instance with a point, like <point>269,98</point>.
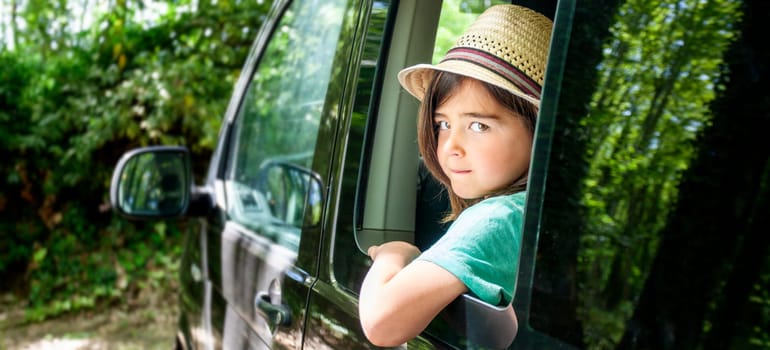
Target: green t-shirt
<point>482,247</point>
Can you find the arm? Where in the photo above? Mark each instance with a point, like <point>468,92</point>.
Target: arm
<point>398,299</point>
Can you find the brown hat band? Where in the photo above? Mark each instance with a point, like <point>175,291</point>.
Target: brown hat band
<point>494,64</point>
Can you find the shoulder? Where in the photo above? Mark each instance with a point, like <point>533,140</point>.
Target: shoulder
<point>498,214</point>
<point>498,206</point>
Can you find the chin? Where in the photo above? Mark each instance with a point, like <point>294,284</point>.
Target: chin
<point>469,196</point>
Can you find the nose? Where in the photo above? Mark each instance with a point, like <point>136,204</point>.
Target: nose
<point>451,143</point>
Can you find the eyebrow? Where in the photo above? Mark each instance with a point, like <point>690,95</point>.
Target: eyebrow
<point>470,115</point>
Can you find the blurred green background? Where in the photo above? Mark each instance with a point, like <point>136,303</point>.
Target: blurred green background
<point>82,81</point>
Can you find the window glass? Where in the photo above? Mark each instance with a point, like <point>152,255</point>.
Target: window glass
<point>350,265</point>
<point>646,220</point>
<point>269,181</point>
<point>456,16</point>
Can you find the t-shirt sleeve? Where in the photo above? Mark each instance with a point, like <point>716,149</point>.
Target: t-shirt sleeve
<point>482,248</point>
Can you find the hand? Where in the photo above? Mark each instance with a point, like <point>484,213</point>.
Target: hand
<point>399,251</point>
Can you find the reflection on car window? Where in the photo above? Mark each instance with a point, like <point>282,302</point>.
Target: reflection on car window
<point>456,15</point>
<point>349,267</point>
<point>268,179</point>
<point>634,248</point>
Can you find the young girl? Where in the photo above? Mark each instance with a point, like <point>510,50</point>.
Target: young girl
<point>475,134</point>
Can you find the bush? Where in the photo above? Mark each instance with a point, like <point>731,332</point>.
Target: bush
<point>70,104</point>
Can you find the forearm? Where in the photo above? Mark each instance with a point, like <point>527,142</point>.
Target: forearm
<point>399,300</point>
<point>385,298</point>
<point>385,320</point>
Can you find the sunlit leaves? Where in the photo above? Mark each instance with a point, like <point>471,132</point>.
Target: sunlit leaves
<point>83,83</point>
<point>659,75</point>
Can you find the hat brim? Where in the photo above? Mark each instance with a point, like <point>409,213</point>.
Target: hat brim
<point>415,79</point>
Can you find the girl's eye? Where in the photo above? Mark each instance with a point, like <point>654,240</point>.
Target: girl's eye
<point>478,127</point>
<point>442,125</point>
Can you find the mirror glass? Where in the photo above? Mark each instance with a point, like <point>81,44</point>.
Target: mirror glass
<point>153,184</point>
<point>291,190</point>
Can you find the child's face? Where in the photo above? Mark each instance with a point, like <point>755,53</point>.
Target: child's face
<point>482,146</point>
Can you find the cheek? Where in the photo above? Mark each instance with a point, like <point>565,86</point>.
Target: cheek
<point>440,140</point>
<point>521,156</point>
<point>510,155</point>
<point>441,159</point>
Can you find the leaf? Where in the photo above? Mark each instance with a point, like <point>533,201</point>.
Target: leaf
<point>39,255</point>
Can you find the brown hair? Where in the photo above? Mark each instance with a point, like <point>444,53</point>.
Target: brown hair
<point>439,90</point>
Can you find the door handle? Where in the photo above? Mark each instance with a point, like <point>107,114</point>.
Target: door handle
<point>277,314</point>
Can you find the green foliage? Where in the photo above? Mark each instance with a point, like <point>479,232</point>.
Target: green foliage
<point>760,300</point>
<point>76,94</point>
<point>640,139</point>
<point>456,16</point>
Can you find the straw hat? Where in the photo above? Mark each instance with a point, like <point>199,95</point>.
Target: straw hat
<point>507,46</point>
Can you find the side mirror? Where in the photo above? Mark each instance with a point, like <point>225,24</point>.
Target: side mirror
<point>152,182</point>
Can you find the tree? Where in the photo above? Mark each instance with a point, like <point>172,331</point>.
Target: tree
<point>710,229</point>
<point>81,82</point>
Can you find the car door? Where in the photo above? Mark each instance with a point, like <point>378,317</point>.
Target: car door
<point>249,272</point>
<point>377,177</point>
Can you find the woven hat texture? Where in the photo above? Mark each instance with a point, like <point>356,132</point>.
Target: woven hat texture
<point>506,46</point>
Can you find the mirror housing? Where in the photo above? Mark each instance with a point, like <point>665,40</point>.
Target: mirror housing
<point>152,182</point>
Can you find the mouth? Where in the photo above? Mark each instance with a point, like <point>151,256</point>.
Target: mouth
<point>459,172</point>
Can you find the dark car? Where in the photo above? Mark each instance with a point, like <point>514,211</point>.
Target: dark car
<point>646,225</point>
